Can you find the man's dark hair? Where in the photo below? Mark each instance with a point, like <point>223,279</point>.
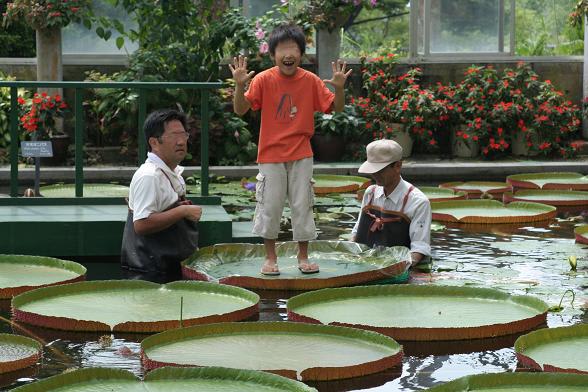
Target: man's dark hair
<point>286,32</point>
<point>155,123</point>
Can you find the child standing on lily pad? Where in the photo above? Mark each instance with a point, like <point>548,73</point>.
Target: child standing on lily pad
<point>287,96</point>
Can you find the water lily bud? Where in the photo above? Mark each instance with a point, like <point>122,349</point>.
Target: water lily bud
<point>573,262</point>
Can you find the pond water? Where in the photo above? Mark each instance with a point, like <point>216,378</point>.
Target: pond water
<point>529,260</point>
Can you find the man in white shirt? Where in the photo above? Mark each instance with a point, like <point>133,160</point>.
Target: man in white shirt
<point>161,225</point>
<point>393,212</point>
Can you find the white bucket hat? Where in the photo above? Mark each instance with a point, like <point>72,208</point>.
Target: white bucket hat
<point>380,153</point>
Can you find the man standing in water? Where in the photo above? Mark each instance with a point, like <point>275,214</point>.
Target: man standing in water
<point>393,212</point>
<point>161,225</point>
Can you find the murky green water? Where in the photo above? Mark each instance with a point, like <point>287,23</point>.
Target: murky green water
<point>529,260</point>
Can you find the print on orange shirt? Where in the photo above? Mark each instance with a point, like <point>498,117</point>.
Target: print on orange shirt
<point>286,109</point>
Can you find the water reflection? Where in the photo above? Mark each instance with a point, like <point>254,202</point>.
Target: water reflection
<point>522,260</point>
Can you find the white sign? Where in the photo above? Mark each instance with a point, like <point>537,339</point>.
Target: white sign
<point>36,149</point>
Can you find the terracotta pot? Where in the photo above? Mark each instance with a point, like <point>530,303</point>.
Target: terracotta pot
<point>327,148</point>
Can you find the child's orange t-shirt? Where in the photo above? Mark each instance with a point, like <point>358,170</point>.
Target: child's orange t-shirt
<point>287,106</point>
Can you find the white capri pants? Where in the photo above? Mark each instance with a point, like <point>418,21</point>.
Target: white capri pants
<point>275,181</point>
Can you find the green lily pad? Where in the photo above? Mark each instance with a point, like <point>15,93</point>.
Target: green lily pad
<point>341,263</point>
<point>491,211</point>
<point>479,189</point>
<point>516,382</point>
<point>551,197</point>
<point>562,349</point>
<point>18,352</point>
<point>20,273</point>
<point>581,233</point>
<point>90,190</point>
<point>442,194</point>
<point>207,379</point>
<point>327,183</point>
<point>407,312</point>
<point>314,352</point>
<point>132,306</point>
<point>551,180</point>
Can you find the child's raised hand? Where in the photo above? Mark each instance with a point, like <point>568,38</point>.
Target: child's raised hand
<point>239,70</point>
<point>339,75</point>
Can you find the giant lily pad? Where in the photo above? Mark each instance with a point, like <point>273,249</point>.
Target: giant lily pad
<point>516,382</point>
<point>581,233</point>
<point>491,211</point>
<point>407,312</point>
<point>90,190</point>
<point>19,273</point>
<point>442,194</point>
<point>208,379</point>
<point>133,306</point>
<point>551,197</point>
<point>341,263</point>
<point>327,183</point>
<point>294,350</point>
<point>18,352</point>
<point>479,189</point>
<point>551,180</point>
<point>562,349</point>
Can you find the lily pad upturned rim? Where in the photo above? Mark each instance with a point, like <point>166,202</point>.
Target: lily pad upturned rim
<point>351,186</point>
<point>544,212</point>
<point>10,366</point>
<point>315,374</point>
<point>548,336</point>
<point>424,334</point>
<point>167,373</point>
<point>524,180</point>
<point>580,233</point>
<point>448,193</point>
<point>11,291</point>
<point>309,283</point>
<point>505,380</point>
<point>521,195</point>
<point>71,324</point>
<point>498,188</point>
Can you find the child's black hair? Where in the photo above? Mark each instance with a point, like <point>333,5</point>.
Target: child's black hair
<point>286,32</point>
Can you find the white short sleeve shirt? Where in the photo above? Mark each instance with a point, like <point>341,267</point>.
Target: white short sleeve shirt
<point>155,187</point>
<point>418,210</point>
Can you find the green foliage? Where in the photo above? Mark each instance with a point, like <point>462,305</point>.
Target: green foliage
<point>542,29</point>
<point>18,39</point>
<point>347,123</point>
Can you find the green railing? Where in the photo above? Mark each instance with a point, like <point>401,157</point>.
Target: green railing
<point>78,87</point>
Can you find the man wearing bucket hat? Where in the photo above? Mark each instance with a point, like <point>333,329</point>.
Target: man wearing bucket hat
<point>393,211</point>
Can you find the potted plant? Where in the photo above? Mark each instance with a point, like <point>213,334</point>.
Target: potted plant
<point>539,117</point>
<point>332,131</point>
<point>383,88</point>
<point>38,116</point>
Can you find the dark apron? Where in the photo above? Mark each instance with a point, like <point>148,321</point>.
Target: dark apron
<point>156,257</point>
<point>379,227</point>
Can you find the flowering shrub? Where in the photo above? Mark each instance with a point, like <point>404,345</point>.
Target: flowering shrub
<point>576,17</point>
<point>331,14</point>
<point>45,14</point>
<point>538,112</point>
<point>39,113</point>
<point>393,98</point>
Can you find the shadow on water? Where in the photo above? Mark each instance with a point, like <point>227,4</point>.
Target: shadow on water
<point>358,383</point>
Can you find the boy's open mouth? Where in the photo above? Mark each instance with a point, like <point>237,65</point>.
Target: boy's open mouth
<point>288,63</point>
